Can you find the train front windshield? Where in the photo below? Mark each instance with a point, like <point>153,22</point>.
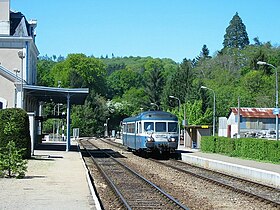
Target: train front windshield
<point>172,127</point>
<point>161,127</point>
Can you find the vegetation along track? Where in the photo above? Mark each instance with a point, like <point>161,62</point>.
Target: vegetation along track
<point>261,192</point>
<point>134,191</point>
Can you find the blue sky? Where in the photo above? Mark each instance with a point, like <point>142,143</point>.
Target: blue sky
<point>175,29</point>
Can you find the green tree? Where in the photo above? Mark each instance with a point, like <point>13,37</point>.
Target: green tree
<point>121,81</point>
<point>129,104</point>
<point>180,84</point>
<point>204,54</point>
<point>236,35</point>
<point>90,117</point>
<point>195,114</point>
<point>43,72</point>
<point>78,71</point>
<point>154,80</point>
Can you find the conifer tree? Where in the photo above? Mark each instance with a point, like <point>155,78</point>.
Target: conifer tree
<point>236,35</point>
<point>205,52</point>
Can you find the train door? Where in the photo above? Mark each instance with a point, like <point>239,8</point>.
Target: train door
<point>136,134</point>
<point>125,134</point>
<point>138,143</point>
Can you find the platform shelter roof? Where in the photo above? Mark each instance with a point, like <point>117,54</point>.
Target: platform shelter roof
<point>57,95</point>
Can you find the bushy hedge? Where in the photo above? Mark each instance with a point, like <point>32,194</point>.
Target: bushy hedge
<point>251,148</point>
<point>14,126</point>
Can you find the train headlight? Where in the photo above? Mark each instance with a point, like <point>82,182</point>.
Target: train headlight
<point>172,139</point>
<point>150,139</point>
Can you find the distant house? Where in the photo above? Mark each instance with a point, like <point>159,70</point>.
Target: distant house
<point>251,119</point>
<point>18,58</point>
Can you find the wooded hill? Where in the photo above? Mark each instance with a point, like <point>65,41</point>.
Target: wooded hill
<point>123,86</point>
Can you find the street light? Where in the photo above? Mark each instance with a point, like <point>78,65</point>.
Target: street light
<point>214,107</point>
<point>179,102</point>
<point>21,55</point>
<point>276,97</point>
<point>155,105</point>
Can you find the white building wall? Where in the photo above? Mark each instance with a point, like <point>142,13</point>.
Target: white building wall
<point>231,119</point>
<point>10,60</point>
<point>7,92</point>
<point>222,126</point>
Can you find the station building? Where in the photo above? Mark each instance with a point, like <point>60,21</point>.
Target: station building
<point>18,58</point>
<point>18,72</point>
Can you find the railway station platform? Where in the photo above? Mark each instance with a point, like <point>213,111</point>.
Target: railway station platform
<point>266,173</point>
<point>55,179</point>
<point>261,172</point>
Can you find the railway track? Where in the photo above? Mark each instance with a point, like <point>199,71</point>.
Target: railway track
<point>259,191</point>
<point>133,190</point>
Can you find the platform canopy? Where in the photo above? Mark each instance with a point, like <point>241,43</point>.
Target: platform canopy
<point>57,95</point>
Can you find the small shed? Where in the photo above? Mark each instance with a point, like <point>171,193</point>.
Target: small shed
<point>194,134</point>
<point>251,119</point>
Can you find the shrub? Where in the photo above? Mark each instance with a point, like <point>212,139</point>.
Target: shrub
<point>208,144</point>
<point>251,148</point>
<point>11,162</point>
<point>14,126</point>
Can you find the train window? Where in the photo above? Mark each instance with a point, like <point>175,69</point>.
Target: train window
<point>160,126</point>
<point>172,127</point>
<point>131,128</point>
<point>149,126</point>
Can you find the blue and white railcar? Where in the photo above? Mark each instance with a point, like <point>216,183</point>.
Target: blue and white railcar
<point>151,131</point>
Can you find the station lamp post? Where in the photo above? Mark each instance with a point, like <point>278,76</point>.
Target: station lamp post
<point>179,104</point>
<point>21,55</point>
<point>16,83</point>
<point>276,110</point>
<point>154,104</point>
<point>214,107</point>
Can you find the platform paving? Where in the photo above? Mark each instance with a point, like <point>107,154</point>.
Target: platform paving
<point>55,180</point>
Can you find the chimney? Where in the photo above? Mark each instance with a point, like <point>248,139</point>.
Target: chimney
<point>5,17</point>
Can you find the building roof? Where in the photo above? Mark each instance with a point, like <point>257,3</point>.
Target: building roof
<point>16,19</point>
<point>254,112</point>
<point>57,95</point>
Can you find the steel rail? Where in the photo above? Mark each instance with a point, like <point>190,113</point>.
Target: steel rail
<point>204,177</point>
<point>108,180</point>
<point>138,175</point>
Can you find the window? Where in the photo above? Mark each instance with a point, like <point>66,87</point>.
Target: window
<point>172,127</point>
<point>160,126</point>
<point>149,126</point>
<point>3,103</point>
<point>131,128</point>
